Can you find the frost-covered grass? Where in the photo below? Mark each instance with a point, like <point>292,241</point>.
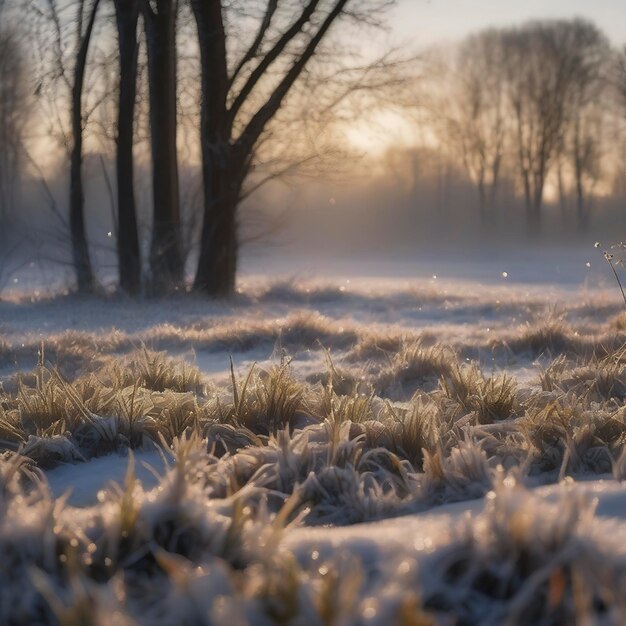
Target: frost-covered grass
<point>338,407</point>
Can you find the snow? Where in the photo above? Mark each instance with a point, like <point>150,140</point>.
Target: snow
<point>420,536</point>
<point>316,321</point>
<point>427,538</point>
<point>81,483</point>
<point>457,312</point>
<point>373,541</point>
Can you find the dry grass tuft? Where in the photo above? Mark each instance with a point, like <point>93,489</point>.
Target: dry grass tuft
<point>552,337</point>
<point>417,366</point>
<point>155,371</point>
<point>264,402</point>
<point>526,562</point>
<point>566,434</point>
<point>488,400</point>
<point>597,379</point>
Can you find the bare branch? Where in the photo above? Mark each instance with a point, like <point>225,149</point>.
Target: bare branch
<point>273,54</point>
<point>272,5</point>
<point>258,122</point>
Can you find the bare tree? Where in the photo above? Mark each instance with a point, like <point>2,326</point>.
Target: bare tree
<point>586,148</point>
<point>80,248</point>
<point>622,82</point>
<point>14,113</point>
<point>239,100</point>
<point>166,261</point>
<point>541,71</point>
<point>621,94</point>
<point>128,252</point>
<point>64,36</point>
<point>586,107</point>
<point>476,118</point>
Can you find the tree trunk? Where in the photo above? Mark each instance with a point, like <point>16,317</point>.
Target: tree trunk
<point>533,209</point>
<point>128,253</point>
<point>581,208</point>
<point>223,169</point>
<point>532,216</point>
<point>493,188</point>
<point>581,205</point>
<point>80,248</point>
<point>166,262</point>
<point>482,202</point>
<point>562,194</point>
<point>226,162</point>
<point>531,219</point>
<point>217,264</point>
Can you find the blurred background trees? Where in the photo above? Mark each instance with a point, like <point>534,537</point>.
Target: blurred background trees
<point>540,91</point>
<point>475,113</point>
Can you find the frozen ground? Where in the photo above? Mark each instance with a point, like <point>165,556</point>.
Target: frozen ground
<point>411,451</point>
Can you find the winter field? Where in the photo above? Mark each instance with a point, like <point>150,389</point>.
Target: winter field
<point>333,452</point>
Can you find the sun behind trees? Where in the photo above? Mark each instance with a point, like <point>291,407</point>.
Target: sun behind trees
<point>252,57</point>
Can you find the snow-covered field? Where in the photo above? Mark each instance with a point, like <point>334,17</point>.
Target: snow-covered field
<point>406,451</point>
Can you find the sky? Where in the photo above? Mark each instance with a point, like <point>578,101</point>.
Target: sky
<point>424,22</point>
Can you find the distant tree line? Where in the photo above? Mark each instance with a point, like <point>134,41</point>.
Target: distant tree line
<point>536,102</point>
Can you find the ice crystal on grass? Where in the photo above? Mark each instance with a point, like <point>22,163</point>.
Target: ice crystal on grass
<point>526,561</point>
<point>346,419</point>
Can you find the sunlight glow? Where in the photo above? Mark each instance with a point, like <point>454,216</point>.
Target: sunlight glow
<point>382,130</point>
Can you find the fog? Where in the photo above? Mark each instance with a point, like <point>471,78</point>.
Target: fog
<point>382,225</point>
